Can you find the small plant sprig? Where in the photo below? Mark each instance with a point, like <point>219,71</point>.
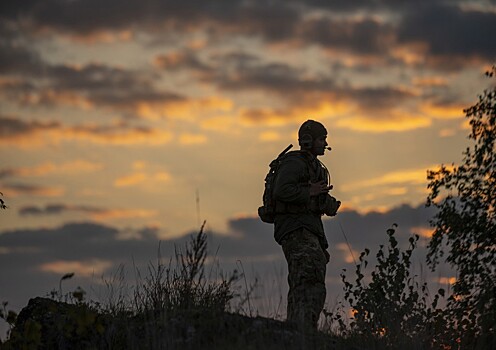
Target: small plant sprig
<point>8,316</point>
<point>2,202</point>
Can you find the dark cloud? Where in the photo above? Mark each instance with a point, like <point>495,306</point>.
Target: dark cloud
<point>15,54</point>
<point>53,209</point>
<point>18,59</point>
<point>5,173</point>
<point>272,21</point>
<point>31,80</point>
<point>87,17</point>
<point>249,247</point>
<point>273,77</point>
<point>244,72</point>
<point>14,189</point>
<point>74,16</point>
<point>106,85</point>
<point>96,84</point>
<point>365,230</point>
<point>91,211</point>
<point>445,27</point>
<point>365,36</point>
<point>10,9</point>
<point>249,236</point>
<point>450,32</point>
<point>12,127</point>
<point>239,72</point>
<point>16,131</point>
<point>186,59</point>
<point>82,242</point>
<point>376,98</point>
<point>453,37</point>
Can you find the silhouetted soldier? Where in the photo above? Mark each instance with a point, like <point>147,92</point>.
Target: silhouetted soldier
<point>301,192</point>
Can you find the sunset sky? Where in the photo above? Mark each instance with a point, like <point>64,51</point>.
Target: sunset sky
<point>126,122</point>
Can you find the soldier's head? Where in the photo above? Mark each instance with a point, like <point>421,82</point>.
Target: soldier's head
<point>312,137</point>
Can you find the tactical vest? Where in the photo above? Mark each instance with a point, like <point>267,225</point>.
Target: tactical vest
<point>316,171</point>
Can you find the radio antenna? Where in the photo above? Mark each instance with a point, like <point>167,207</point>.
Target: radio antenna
<point>347,243</point>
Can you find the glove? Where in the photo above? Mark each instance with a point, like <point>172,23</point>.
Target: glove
<point>332,205</point>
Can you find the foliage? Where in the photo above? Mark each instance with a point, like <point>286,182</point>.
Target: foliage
<point>393,309</point>
<point>8,316</point>
<point>2,202</point>
<point>465,226</point>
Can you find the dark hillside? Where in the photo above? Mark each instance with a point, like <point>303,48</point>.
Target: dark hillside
<point>48,324</point>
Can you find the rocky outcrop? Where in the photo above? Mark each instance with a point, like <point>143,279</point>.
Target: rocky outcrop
<point>49,324</point>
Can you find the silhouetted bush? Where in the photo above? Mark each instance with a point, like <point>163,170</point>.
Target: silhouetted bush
<point>392,310</point>
<point>465,227</point>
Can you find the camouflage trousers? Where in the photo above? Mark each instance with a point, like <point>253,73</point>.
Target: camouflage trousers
<point>306,278</point>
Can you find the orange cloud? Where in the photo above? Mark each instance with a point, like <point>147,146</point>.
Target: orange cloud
<point>423,231</point>
<point>131,136</point>
<point>91,38</point>
<point>411,54</point>
<point>141,178</point>
<point>81,268</point>
<point>349,257</point>
<point>269,136</point>
<point>345,114</point>
<point>130,180</point>
<point>396,191</point>
<point>37,134</point>
<point>395,121</point>
<point>123,214</point>
<point>51,97</point>
<point>442,112</point>
<point>73,167</point>
<point>277,117</point>
<point>162,176</point>
<point>429,81</point>
<point>219,123</point>
<point>79,166</point>
<point>15,190</point>
<point>192,139</point>
<point>447,132</point>
<point>171,59</point>
<point>183,109</point>
<point>411,176</point>
<point>139,165</point>
<point>447,280</point>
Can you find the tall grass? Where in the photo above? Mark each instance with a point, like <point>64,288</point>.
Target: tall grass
<point>181,284</point>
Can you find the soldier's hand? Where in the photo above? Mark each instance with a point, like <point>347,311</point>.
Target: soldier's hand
<point>332,205</point>
<point>319,187</point>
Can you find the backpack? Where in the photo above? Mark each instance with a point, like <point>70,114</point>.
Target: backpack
<point>267,211</point>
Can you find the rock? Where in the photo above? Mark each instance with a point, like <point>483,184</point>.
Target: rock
<point>49,324</point>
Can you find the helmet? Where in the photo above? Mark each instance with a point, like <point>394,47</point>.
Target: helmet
<point>309,131</point>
